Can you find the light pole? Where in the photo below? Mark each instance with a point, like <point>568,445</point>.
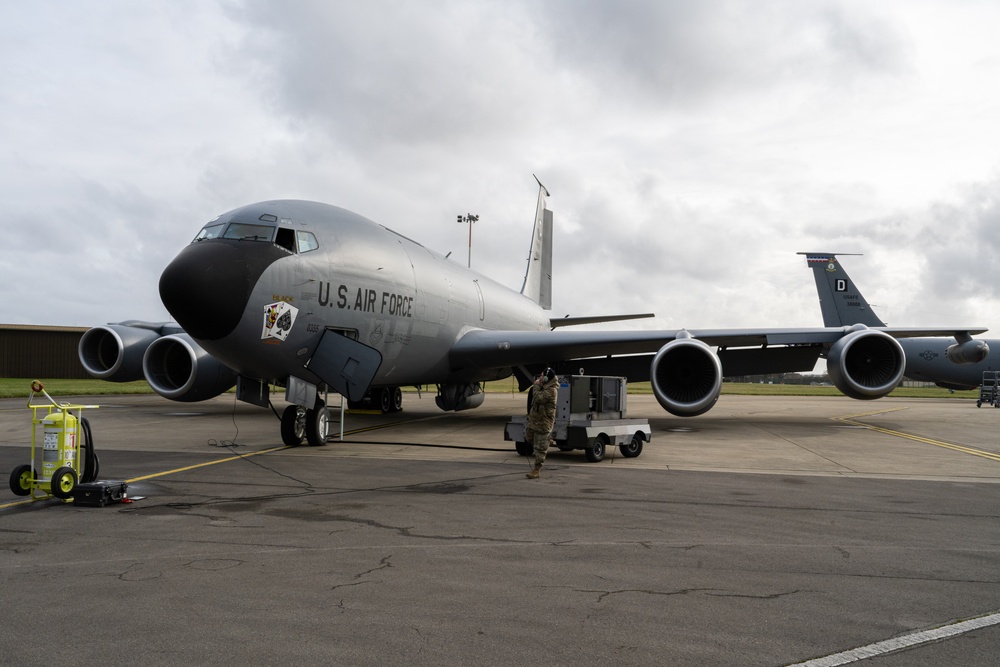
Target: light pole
<point>469,218</point>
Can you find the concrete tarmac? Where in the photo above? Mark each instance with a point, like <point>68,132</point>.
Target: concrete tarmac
<point>770,531</point>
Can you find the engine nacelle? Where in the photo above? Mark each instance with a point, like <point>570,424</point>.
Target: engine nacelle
<point>866,364</point>
<point>177,368</point>
<point>455,397</point>
<point>686,377</point>
<point>114,352</point>
<point>968,352</point>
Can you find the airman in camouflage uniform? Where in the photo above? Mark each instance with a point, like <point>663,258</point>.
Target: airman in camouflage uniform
<point>542,417</point>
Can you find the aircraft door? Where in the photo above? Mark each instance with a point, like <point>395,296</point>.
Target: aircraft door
<point>346,366</point>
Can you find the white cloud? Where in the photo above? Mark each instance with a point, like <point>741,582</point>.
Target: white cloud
<point>691,148</point>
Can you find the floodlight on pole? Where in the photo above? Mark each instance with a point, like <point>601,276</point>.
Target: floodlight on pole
<point>469,218</point>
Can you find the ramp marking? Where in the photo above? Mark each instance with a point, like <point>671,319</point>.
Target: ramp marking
<point>900,643</point>
<point>852,419</point>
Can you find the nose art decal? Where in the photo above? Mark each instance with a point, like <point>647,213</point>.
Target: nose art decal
<point>279,318</point>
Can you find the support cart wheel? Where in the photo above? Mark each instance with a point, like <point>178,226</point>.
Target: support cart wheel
<point>20,480</point>
<point>317,424</point>
<point>633,448</point>
<point>595,453</point>
<point>524,448</point>
<point>63,482</point>
<point>293,425</point>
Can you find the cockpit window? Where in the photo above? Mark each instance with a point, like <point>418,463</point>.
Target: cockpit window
<point>307,241</point>
<point>248,232</point>
<point>210,232</point>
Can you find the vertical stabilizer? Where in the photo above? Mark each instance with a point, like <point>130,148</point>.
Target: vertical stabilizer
<point>840,300</point>
<point>538,277</point>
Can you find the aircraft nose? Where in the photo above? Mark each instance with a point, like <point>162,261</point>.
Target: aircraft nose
<point>207,287</point>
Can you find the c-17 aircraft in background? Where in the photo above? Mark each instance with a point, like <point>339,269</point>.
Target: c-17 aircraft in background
<point>950,363</point>
<point>308,297</point>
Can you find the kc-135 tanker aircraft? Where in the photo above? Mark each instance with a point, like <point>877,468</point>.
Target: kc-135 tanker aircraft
<point>309,297</point>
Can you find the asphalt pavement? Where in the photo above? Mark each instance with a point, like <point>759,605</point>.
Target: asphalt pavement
<point>770,531</point>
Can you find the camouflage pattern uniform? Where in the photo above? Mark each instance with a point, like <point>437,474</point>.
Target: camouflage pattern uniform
<point>541,418</point>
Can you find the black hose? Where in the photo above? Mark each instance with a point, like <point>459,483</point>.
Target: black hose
<point>91,464</point>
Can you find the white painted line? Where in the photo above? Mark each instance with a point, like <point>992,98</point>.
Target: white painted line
<point>899,643</point>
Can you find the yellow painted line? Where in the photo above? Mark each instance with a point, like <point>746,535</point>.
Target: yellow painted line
<point>205,464</point>
<point>851,419</point>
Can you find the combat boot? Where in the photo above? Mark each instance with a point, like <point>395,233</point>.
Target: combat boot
<point>533,473</point>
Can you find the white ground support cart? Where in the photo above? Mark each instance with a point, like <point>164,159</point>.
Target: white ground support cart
<point>590,415</point>
<point>989,390</point>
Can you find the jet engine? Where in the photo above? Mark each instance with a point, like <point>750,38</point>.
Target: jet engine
<point>177,368</point>
<point>114,352</point>
<point>686,377</point>
<point>967,352</point>
<point>866,364</point>
<point>455,397</point>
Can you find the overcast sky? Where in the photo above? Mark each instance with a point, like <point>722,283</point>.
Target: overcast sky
<point>691,148</point>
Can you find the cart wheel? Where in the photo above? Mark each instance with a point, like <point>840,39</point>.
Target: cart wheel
<point>20,480</point>
<point>293,425</point>
<point>524,448</point>
<point>317,424</point>
<point>595,453</point>
<point>633,448</point>
<point>63,482</point>
<point>979,403</point>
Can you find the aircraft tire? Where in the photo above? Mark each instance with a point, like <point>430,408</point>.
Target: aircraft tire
<point>633,448</point>
<point>20,480</point>
<point>397,399</point>
<point>63,482</point>
<point>317,424</point>
<point>293,425</point>
<point>595,453</point>
<point>385,399</point>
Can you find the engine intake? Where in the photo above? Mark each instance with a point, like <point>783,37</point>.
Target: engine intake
<point>866,364</point>
<point>179,369</point>
<point>114,352</point>
<point>686,377</point>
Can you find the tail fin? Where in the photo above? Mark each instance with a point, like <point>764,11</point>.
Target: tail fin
<point>840,300</point>
<point>538,277</point>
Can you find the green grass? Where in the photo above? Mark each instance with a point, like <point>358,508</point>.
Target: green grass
<point>21,388</point>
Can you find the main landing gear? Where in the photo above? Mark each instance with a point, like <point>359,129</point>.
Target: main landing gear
<point>298,423</point>
<point>386,399</point>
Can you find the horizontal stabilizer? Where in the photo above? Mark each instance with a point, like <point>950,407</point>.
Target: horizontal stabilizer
<point>573,321</point>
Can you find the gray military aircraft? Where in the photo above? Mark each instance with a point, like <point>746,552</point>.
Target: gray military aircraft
<point>309,297</point>
<point>956,363</point>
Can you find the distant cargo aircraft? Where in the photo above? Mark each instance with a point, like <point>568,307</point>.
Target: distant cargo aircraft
<point>950,363</point>
<point>306,296</point>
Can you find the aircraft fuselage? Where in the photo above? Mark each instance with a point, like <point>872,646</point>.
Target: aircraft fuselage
<point>260,302</point>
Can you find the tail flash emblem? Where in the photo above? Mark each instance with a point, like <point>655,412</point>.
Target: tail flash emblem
<point>279,318</point>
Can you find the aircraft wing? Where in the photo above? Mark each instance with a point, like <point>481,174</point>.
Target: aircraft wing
<point>484,348</point>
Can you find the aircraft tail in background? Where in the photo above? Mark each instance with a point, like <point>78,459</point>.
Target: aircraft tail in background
<point>840,299</point>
